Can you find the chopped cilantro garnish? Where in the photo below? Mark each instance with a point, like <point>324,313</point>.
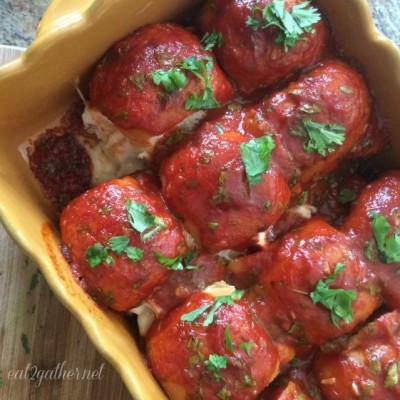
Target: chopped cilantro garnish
<point>193,315</point>
<point>177,263</point>
<point>388,246</point>
<point>228,339</point>
<point>118,244</point>
<point>338,301</point>
<point>322,138</point>
<point>174,263</point>
<point>202,69</point>
<point>142,220</point>
<point>392,377</point>
<point>212,39</point>
<point>215,304</point>
<point>134,253</point>
<point>291,25</point>
<point>347,195</point>
<point>247,346</point>
<point>96,254</point>
<point>172,79</point>
<point>256,155</point>
<point>216,362</point>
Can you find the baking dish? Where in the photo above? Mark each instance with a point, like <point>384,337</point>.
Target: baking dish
<point>36,89</point>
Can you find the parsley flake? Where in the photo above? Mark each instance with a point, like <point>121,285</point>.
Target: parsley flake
<point>291,25</point>
<point>174,263</point>
<point>142,220</point>
<point>215,363</point>
<point>338,301</point>
<point>118,244</point>
<point>228,339</point>
<point>347,195</point>
<point>215,304</point>
<point>171,80</point>
<point>96,254</point>
<point>247,346</point>
<point>212,39</point>
<point>202,69</point>
<point>388,246</point>
<point>322,138</point>
<point>256,156</point>
<point>134,253</point>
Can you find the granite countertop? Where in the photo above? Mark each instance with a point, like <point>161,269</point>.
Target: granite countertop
<point>20,18</point>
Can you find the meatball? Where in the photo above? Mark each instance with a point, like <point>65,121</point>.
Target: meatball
<point>146,80</point>
<point>211,347</point>
<point>120,236</point>
<point>367,366</point>
<point>373,225</point>
<point>313,275</point>
<point>250,55</point>
<point>200,272</point>
<point>317,119</point>
<point>205,183</point>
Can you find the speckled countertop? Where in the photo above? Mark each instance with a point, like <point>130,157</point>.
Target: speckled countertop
<point>20,18</point>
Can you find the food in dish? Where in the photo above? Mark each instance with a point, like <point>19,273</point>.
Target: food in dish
<point>229,180</point>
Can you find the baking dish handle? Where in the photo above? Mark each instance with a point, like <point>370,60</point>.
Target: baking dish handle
<point>61,13</point>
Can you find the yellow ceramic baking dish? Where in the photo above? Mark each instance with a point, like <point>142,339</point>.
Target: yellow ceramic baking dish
<point>36,89</point>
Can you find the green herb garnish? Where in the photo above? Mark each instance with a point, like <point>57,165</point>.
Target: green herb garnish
<point>291,25</point>
<point>212,39</point>
<point>96,254</point>
<point>338,301</point>
<point>256,156</point>
<point>202,69</point>
<point>171,79</point>
<point>174,263</point>
<point>388,246</point>
<point>215,363</point>
<point>215,304</point>
<point>247,346</point>
<point>142,220</point>
<point>347,196</point>
<point>228,339</point>
<point>322,138</point>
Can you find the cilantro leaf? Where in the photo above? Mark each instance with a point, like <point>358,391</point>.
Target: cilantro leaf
<point>193,315</point>
<point>174,263</point>
<point>215,304</point>
<point>142,220</point>
<point>338,301</point>
<point>388,246</point>
<point>202,69</point>
<point>118,244</point>
<point>212,39</point>
<point>291,25</point>
<point>216,362</point>
<point>247,347</point>
<point>347,195</point>
<point>228,339</point>
<point>96,254</point>
<point>322,138</point>
<point>171,79</point>
<point>134,253</point>
<point>256,155</point>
